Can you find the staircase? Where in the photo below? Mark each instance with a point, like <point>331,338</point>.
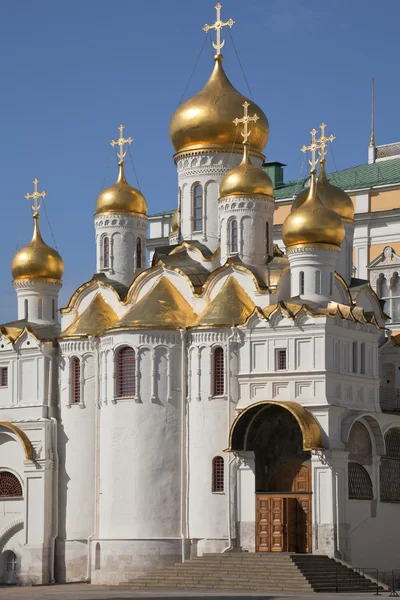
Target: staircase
<point>258,573</point>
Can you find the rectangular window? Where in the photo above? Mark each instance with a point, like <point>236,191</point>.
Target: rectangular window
<point>197,199</point>
<point>362,358</point>
<point>355,357</point>
<point>281,362</point>
<point>3,376</point>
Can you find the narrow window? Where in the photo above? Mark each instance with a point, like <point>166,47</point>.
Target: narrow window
<point>26,309</point>
<point>234,236</point>
<point>75,380</point>
<point>4,377</point>
<point>267,238</point>
<point>317,282</point>
<point>355,357</point>
<point>362,358</point>
<point>53,309</point>
<point>331,284</point>
<point>217,474</point>
<point>106,253</point>
<point>218,371</point>
<point>197,207</point>
<point>139,253</point>
<point>10,485</point>
<point>40,308</point>
<point>126,363</point>
<point>11,562</point>
<point>97,557</point>
<point>281,362</point>
<point>301,283</point>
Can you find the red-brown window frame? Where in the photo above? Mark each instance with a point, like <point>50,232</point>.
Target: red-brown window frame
<point>125,379</point>
<point>218,469</point>
<point>218,371</point>
<point>195,207</point>
<point>75,380</point>
<point>10,485</point>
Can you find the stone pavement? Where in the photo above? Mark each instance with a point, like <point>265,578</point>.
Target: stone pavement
<point>91,592</point>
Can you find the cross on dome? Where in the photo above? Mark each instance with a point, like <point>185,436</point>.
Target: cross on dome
<point>121,143</point>
<point>218,25</point>
<point>317,145</point>
<point>246,119</point>
<point>35,196</point>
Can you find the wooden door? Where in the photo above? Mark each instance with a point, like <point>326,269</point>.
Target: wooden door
<point>278,526</point>
<point>291,527</point>
<point>304,524</point>
<point>263,523</point>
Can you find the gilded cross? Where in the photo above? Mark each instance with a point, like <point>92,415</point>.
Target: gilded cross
<point>218,25</point>
<point>36,195</point>
<point>121,143</point>
<point>318,144</point>
<point>323,141</point>
<point>246,120</point>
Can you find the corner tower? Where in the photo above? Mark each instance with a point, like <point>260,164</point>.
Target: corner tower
<point>121,225</point>
<point>37,270</point>
<point>204,136</point>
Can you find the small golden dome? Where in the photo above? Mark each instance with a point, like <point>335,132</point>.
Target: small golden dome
<point>313,222</point>
<point>330,195</point>
<point>121,198</point>
<point>206,120</point>
<point>175,221</point>
<point>246,180</point>
<point>37,259</point>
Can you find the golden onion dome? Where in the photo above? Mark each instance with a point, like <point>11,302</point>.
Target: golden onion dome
<point>175,221</point>
<point>332,196</point>
<point>313,222</point>
<point>37,259</point>
<point>121,198</point>
<point>206,120</point>
<point>246,180</point>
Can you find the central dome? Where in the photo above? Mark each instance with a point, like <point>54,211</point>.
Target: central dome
<point>206,120</point>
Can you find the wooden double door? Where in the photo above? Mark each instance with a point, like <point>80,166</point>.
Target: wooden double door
<point>283,522</point>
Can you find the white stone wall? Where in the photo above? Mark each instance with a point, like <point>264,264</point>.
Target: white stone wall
<point>344,264</point>
<point>37,300</point>
<point>318,267</point>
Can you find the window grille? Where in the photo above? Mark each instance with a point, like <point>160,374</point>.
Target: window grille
<point>219,371</point>
<point>234,236</point>
<point>139,253</point>
<point>281,362</point>
<point>390,468</point>
<point>126,364</point>
<point>218,474</point>
<point>197,207</point>
<point>76,380</point>
<point>355,357</point>
<point>10,486</point>
<point>3,376</point>
<point>11,562</point>
<point>360,485</point>
<point>301,283</point>
<point>392,441</point>
<point>106,253</point>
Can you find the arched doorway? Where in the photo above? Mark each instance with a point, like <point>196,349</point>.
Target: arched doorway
<point>10,568</point>
<point>281,437</point>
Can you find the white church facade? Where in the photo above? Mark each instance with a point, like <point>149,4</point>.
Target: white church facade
<point>230,397</point>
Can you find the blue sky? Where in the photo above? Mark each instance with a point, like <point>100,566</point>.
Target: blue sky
<point>71,72</point>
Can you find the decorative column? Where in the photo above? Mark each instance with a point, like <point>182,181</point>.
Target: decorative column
<point>246,487</point>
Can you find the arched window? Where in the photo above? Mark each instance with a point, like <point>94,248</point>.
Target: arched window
<point>389,291</point>
<point>360,485</point>
<point>317,282</point>
<point>234,236</point>
<point>390,468</point>
<point>106,252</point>
<point>139,253</point>
<point>97,557</point>
<point>267,238</point>
<point>330,284</point>
<point>301,283</point>
<point>40,308</point>
<point>218,371</point>
<point>10,486</point>
<point>217,474</point>
<point>125,376</point>
<point>11,562</point>
<point>75,380</point>
<point>197,202</point>
<point>26,309</point>
<point>53,309</point>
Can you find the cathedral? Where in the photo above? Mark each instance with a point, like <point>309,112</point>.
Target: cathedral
<point>238,394</point>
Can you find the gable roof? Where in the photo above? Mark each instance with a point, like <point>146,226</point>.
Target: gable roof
<point>94,320</point>
<point>231,306</point>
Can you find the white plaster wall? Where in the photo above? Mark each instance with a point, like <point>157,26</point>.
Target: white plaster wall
<point>309,261</point>
<point>344,264</point>
<point>42,299</point>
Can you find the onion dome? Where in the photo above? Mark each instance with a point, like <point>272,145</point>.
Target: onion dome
<point>175,221</point>
<point>332,196</point>
<point>206,120</point>
<point>246,180</point>
<point>313,222</point>
<point>121,198</point>
<point>37,259</point>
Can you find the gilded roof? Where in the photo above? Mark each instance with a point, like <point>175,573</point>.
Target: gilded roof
<point>94,320</point>
<point>230,307</point>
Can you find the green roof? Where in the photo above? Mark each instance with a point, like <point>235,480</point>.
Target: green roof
<point>385,172</point>
<point>163,213</point>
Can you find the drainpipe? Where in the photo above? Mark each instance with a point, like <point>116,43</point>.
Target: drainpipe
<point>183,442</point>
<point>55,500</point>
<point>228,416</point>
<point>337,514</point>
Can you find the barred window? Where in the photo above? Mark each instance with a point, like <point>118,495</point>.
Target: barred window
<point>234,236</point>
<point>317,282</point>
<point>3,376</point>
<point>218,360</point>
<point>106,253</point>
<point>355,357</point>
<point>281,362</point>
<point>362,358</point>
<point>10,486</point>
<point>217,474</point>
<point>390,468</point>
<point>301,283</point>
<point>197,212</point>
<point>139,253</point>
<point>76,380</point>
<point>360,485</point>
<point>125,376</point>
